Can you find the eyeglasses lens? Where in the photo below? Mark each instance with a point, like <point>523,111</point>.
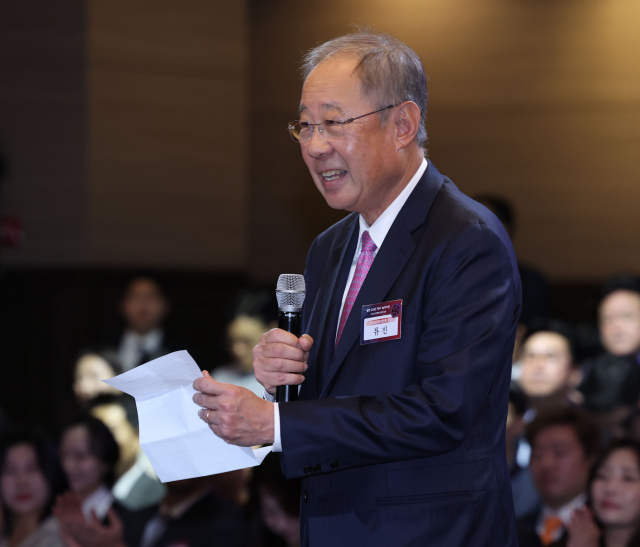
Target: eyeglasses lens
<point>302,131</point>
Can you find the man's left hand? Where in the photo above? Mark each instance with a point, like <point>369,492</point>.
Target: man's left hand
<point>234,413</point>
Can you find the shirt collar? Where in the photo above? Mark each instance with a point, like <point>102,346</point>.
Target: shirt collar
<point>565,512</point>
<point>380,228</point>
<point>99,502</point>
<point>148,342</point>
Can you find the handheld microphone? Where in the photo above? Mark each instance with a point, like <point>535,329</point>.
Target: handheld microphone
<point>290,292</point>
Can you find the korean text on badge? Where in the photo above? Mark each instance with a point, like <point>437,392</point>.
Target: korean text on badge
<point>380,322</point>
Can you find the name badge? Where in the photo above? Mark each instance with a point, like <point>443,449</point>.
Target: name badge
<point>380,322</point>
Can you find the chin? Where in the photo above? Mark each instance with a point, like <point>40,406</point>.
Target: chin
<point>337,200</point>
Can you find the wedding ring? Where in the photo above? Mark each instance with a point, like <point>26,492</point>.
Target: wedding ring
<point>206,418</point>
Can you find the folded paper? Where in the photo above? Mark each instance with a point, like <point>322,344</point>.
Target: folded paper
<point>177,442</point>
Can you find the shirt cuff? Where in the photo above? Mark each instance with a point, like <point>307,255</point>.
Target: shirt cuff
<point>277,442</point>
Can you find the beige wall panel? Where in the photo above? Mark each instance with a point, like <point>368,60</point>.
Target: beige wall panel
<point>538,101</point>
<point>167,119</point>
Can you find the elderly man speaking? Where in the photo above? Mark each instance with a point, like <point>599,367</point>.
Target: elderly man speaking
<point>410,317</point>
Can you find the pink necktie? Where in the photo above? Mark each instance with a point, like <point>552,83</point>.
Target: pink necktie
<point>362,269</point>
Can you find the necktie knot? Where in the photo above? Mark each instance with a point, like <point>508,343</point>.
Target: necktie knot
<point>368,246</point>
<point>551,531</point>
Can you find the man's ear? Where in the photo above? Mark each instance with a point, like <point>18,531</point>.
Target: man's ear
<point>407,121</point>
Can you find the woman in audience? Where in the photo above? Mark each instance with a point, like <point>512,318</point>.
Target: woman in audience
<point>256,313</point>
<point>615,498</point>
<point>91,368</point>
<point>89,454</point>
<point>30,478</point>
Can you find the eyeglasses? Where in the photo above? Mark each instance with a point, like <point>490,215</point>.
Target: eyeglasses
<point>303,131</point>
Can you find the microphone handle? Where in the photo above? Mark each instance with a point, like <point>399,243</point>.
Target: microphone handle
<point>291,322</point>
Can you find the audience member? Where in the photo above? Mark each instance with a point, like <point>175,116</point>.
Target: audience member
<point>619,317</point>
<point>233,486</point>
<point>256,313</point>
<point>89,454</point>
<point>564,443</point>
<point>525,497</point>
<point>144,307</point>
<point>279,506</point>
<point>615,498</point>
<point>549,370</point>
<point>137,484</point>
<point>90,369</point>
<point>535,288</point>
<point>30,478</point>
<point>611,390</point>
<point>192,514</point>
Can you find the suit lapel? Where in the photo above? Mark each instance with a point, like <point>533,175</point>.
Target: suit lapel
<point>336,274</point>
<point>391,259</point>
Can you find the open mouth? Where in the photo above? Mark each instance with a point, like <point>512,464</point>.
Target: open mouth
<point>335,174</point>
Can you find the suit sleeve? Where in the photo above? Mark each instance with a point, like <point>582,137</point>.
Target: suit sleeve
<point>468,316</point>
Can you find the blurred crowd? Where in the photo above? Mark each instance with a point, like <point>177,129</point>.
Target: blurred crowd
<point>93,486</point>
<point>572,438</point>
<point>572,432</point>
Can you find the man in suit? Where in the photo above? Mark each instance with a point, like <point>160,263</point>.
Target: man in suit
<point>144,307</point>
<point>399,441</point>
<point>564,442</point>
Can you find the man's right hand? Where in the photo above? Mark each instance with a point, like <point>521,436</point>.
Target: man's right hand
<point>280,358</point>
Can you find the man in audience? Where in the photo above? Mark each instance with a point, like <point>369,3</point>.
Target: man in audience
<point>611,390</point>
<point>619,317</point>
<point>549,371</point>
<point>564,443</point>
<point>191,514</point>
<point>144,307</point>
<point>535,288</point>
<point>137,485</point>
<point>525,497</point>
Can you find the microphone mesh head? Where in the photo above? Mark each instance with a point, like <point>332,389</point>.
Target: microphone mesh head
<point>290,291</point>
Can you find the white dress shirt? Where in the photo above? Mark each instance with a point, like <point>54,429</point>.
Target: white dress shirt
<point>133,345</point>
<point>564,513</point>
<point>98,502</point>
<point>124,485</point>
<point>378,232</point>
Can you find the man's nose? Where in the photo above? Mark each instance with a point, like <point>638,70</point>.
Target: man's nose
<point>547,461</point>
<point>318,145</point>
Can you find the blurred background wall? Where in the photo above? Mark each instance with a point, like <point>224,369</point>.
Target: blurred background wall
<point>152,134</point>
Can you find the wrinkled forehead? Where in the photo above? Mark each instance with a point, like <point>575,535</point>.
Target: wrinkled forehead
<point>333,85</point>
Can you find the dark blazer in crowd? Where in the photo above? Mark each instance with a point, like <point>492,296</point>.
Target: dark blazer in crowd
<point>402,442</point>
<point>527,530</point>
<point>208,522</point>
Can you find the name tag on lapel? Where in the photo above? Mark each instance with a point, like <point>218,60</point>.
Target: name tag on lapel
<point>380,322</point>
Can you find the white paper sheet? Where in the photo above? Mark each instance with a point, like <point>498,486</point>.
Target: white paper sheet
<point>177,442</point>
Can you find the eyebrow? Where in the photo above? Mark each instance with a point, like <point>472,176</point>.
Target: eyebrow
<point>325,106</point>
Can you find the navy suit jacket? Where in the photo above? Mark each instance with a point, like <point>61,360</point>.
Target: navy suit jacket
<point>402,442</point>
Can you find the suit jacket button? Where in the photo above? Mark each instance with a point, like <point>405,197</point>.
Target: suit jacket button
<point>316,469</point>
<point>307,470</point>
<point>335,465</point>
<point>304,496</point>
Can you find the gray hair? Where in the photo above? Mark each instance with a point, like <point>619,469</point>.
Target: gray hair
<point>389,70</point>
